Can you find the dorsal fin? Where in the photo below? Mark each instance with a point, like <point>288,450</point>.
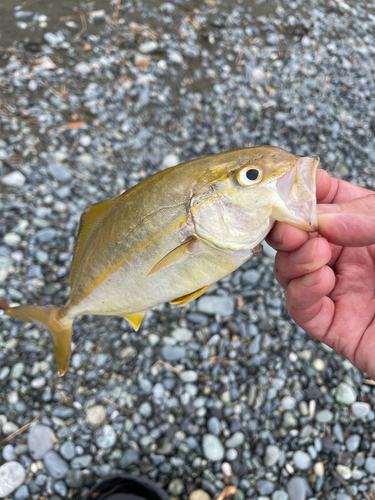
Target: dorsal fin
<point>175,256</point>
<point>90,218</point>
<point>185,299</point>
<point>135,320</point>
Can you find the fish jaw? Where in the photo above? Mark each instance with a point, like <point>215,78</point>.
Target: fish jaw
<point>297,190</point>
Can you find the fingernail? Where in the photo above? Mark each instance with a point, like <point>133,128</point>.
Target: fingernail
<point>312,279</point>
<point>327,209</point>
<point>303,256</point>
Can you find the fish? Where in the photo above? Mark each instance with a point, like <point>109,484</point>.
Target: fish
<point>176,233</point>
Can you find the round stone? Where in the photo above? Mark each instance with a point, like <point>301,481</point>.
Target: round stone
<point>324,416</point>
<point>370,465</point>
<point>360,409</point>
<point>148,47</point>
<point>345,394</point>
<point>344,471</point>
<point>96,415</point>
<point>271,455</point>
<point>170,160</point>
<point>12,475</point>
<point>145,409</point>
<point>189,376</point>
<point>105,437</point>
<point>55,465</point>
<point>199,495</point>
<point>67,450</point>
<point>213,425</point>
<point>212,448</point>
<point>236,440</point>
<point>296,488</point>
<point>288,402</point>
<point>12,239</point>
<point>280,495</point>
<point>353,442</point>
<point>215,304</point>
<point>40,441</point>
<point>318,364</point>
<point>176,487</point>
<point>302,460</point>
<point>182,335</point>
<point>14,179</point>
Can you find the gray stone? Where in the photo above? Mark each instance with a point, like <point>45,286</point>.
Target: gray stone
<point>173,353</point>
<point>105,437</point>
<point>288,402</point>
<point>182,334</point>
<point>296,488</point>
<point>82,68</point>
<point>96,415</point>
<point>213,426</point>
<point>129,459</point>
<point>40,441</point>
<point>271,455</point>
<point>55,465</point>
<point>74,478</point>
<point>370,465</point>
<point>146,409</point>
<point>148,47</point>
<point>17,370</point>
<point>67,450</point>
<point>280,495</point>
<point>338,432</point>
<point>176,487</point>
<point>251,276</point>
<point>360,409</point>
<point>289,420</point>
<point>302,460</point>
<point>324,416</point>
<point>81,462</point>
<point>254,347</point>
<point>60,488</point>
<point>11,239</point>
<point>353,442</point>
<point>63,412</point>
<point>170,160</point>
<point>45,235</point>
<point>58,172</point>
<point>236,440</point>
<point>189,376</point>
<point>9,453</point>
<point>265,487</point>
<point>22,493</point>
<point>212,448</point>
<point>345,394</point>
<point>12,475</point>
<point>14,179</point>
<point>215,304</point>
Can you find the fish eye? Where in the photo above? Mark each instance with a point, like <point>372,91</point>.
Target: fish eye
<point>249,175</point>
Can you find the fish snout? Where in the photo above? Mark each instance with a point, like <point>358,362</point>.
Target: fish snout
<point>297,189</point>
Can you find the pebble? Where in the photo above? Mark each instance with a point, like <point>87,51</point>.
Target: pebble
<point>360,409</point>
<point>12,475</point>
<point>82,68</point>
<point>182,334</point>
<point>173,353</point>
<point>345,394</point>
<point>353,442</point>
<point>265,487</point>
<point>251,276</point>
<point>96,415</point>
<point>344,472</point>
<point>14,179</point>
<point>170,160</point>
<point>67,450</point>
<point>213,304</point>
<point>288,402</point>
<point>213,426</point>
<point>148,48</point>
<point>46,235</point>
<point>212,448</point>
<point>129,458</point>
<point>176,487</point>
<point>55,465</point>
<point>370,465</point>
<point>58,172</point>
<point>280,495</point>
<point>146,409</point>
<point>324,416</point>
<point>105,437</point>
<point>199,495</point>
<point>40,440</point>
<point>12,239</point>
<point>302,460</point>
<point>22,493</point>
<point>272,455</point>
<point>236,440</point>
<point>296,488</point>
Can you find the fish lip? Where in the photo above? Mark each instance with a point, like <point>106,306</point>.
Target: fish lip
<point>297,188</point>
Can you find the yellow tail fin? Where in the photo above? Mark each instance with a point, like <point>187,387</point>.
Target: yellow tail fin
<point>59,328</point>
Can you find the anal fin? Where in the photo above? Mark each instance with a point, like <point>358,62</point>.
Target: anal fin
<point>177,255</point>
<point>135,320</point>
<point>185,299</point>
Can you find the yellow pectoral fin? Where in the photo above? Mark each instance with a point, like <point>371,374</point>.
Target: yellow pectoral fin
<point>90,218</point>
<point>177,255</point>
<point>135,320</point>
<point>185,299</point>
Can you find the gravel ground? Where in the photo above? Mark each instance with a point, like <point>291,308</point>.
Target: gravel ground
<point>227,391</point>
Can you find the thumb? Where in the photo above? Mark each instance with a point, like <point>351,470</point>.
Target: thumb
<point>350,224</point>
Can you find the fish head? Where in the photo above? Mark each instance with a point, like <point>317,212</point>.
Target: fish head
<point>245,197</point>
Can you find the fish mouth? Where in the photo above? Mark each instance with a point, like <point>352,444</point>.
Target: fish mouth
<point>297,189</point>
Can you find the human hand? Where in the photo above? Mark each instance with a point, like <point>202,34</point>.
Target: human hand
<point>329,276</point>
